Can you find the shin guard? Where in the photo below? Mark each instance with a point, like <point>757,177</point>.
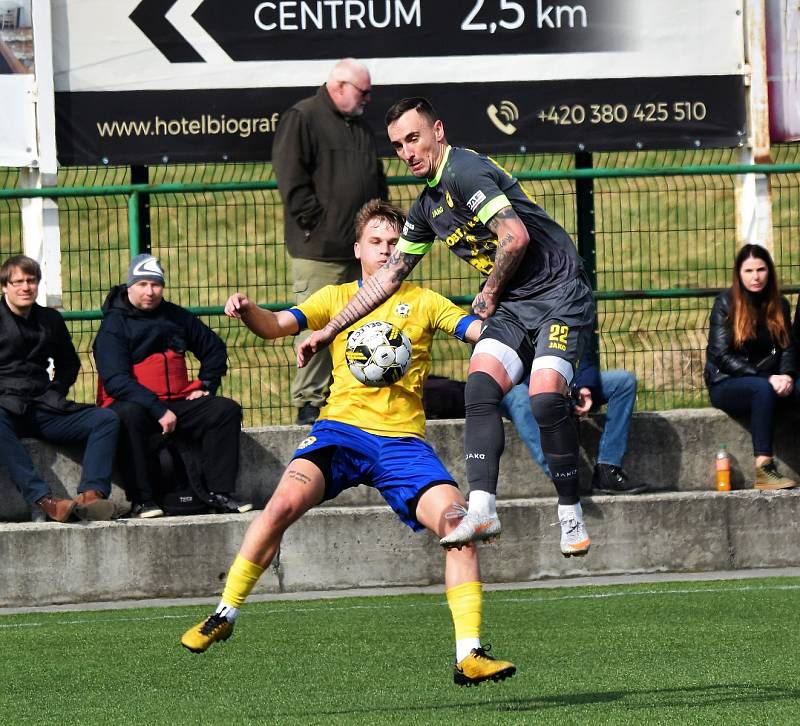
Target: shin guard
<point>484,438</point>
<point>559,443</point>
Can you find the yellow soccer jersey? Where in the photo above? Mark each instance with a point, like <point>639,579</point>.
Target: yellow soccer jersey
<point>394,410</point>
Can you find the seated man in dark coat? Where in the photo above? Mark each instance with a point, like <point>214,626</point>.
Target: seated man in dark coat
<point>35,405</point>
<point>140,351</point>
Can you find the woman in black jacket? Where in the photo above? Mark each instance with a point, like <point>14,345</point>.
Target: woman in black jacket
<point>750,359</point>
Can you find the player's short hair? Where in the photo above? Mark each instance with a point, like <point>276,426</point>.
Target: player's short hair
<point>28,265</point>
<point>378,209</point>
<point>416,103</point>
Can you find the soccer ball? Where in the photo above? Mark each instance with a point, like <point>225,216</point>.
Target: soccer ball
<point>377,353</point>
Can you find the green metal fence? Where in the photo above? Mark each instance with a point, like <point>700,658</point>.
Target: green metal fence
<point>663,233</point>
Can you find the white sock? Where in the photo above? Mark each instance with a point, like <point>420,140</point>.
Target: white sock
<point>570,511</point>
<point>482,503</point>
<point>465,646</point>
<point>227,611</point>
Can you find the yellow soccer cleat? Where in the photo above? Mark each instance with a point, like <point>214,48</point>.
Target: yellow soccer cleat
<point>201,636</point>
<point>479,666</point>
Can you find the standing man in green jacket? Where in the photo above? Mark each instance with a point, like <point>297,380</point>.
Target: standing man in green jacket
<point>327,167</point>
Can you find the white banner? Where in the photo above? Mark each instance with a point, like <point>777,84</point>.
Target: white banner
<point>124,45</point>
<point>157,81</point>
<point>17,85</point>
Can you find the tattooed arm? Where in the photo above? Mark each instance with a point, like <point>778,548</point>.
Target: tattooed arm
<point>512,241</point>
<point>375,290</point>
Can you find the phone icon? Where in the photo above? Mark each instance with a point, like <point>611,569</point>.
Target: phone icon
<point>503,118</point>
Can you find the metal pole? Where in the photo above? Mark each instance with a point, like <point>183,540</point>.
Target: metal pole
<point>141,175</point>
<point>587,247</point>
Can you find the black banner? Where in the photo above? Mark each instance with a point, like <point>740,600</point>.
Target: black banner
<point>253,30</point>
<point>152,127</point>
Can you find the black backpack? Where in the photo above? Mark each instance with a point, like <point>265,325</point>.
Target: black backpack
<point>443,398</point>
<point>181,487</point>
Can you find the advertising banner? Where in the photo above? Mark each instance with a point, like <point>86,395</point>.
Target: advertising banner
<point>149,81</point>
<point>783,68</point>
<point>17,86</point>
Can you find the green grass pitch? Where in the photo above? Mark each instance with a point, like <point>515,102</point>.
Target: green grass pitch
<point>695,653</point>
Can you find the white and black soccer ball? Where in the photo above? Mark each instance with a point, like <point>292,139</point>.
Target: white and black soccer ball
<point>377,353</point>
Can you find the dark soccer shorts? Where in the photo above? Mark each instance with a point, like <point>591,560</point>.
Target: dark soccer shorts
<point>546,331</point>
<point>401,468</point>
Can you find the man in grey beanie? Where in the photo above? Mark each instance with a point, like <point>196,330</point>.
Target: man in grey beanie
<point>140,351</point>
<point>145,267</point>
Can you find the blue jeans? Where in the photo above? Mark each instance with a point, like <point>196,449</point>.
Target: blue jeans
<point>755,398</point>
<point>618,390</point>
<point>98,427</point>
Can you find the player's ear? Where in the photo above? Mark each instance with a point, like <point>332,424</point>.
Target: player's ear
<point>357,250</point>
<point>438,130</point>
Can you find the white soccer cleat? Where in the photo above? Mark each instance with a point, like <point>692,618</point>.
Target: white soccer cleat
<point>574,537</point>
<point>472,528</point>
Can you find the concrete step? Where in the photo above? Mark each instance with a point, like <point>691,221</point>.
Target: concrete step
<point>366,546</point>
<point>671,450</point>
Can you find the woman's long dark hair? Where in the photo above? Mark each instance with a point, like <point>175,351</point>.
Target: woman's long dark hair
<point>744,314</point>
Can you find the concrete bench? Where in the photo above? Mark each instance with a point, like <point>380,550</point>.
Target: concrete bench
<point>366,546</point>
<point>683,525</point>
<point>671,450</point>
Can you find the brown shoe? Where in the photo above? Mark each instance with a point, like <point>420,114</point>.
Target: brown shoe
<point>93,506</point>
<point>58,509</point>
<point>768,477</point>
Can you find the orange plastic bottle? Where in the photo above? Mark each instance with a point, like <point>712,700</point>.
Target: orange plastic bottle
<point>723,462</point>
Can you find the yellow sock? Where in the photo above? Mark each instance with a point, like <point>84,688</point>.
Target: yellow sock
<point>242,577</point>
<point>465,603</point>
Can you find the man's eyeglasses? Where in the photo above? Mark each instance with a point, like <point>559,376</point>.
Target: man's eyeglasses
<point>31,281</point>
<point>364,92</point>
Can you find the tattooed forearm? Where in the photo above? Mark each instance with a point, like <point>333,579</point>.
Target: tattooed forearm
<point>375,290</point>
<point>511,244</point>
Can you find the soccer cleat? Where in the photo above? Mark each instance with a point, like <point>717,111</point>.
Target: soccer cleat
<point>768,477</point>
<point>574,538</point>
<point>201,636</point>
<point>472,528</point>
<point>479,666</point>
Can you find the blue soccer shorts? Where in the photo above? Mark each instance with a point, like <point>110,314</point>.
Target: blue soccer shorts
<point>401,468</point>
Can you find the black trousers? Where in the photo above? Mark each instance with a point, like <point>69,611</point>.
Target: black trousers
<point>213,422</point>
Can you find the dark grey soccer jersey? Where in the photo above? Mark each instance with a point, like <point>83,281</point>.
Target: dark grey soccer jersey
<point>469,189</point>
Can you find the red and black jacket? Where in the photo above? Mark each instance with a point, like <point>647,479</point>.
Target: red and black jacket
<point>140,355</point>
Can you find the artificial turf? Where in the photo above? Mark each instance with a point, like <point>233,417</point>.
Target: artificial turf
<point>719,652</point>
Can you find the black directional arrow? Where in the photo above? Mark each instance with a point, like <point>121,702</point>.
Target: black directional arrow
<point>149,17</point>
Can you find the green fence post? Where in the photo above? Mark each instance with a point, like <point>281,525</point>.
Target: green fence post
<point>133,224</point>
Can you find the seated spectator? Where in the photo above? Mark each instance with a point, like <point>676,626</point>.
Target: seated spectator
<point>32,404</point>
<point>591,388</point>
<point>750,359</point>
<point>140,351</point>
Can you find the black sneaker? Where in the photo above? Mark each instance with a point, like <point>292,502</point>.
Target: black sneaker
<point>146,510</point>
<point>307,415</point>
<point>227,504</point>
<point>610,479</point>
